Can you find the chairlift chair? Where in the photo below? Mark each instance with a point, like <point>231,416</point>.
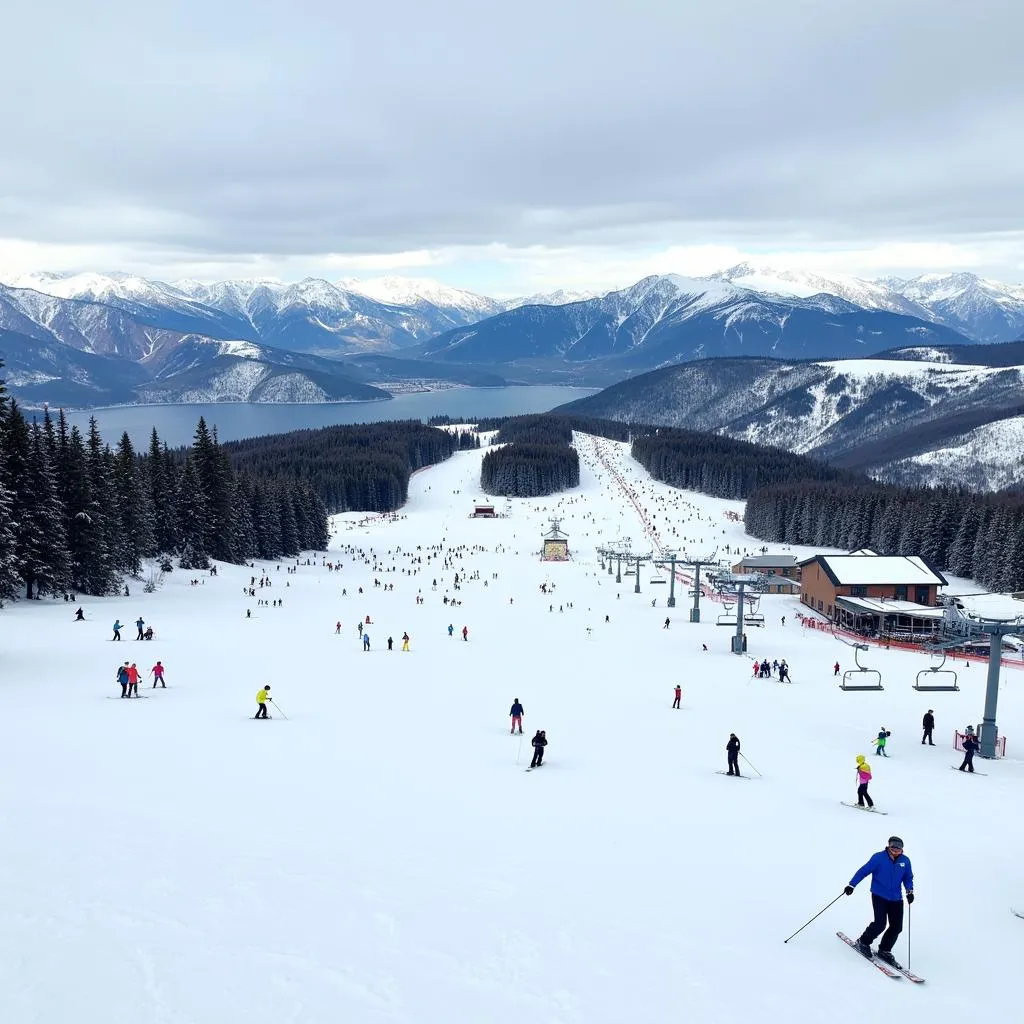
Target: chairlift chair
<point>933,675</point>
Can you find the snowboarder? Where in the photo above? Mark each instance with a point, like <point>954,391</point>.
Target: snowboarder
<point>539,741</point>
<point>366,641</point>
<point>140,625</point>
<point>732,750</point>
<point>883,735</point>
<point>835,669</point>
<point>890,873</point>
<point>133,680</point>
<point>262,699</point>
<point>122,678</point>
<point>465,632</point>
<point>970,749</point>
<point>79,616</point>
<point>158,675</point>
<point>666,623</point>
<point>517,716</point>
<point>928,724</point>
<point>117,629</point>
<point>863,778</point>
<point>679,696</point>
<point>405,641</point>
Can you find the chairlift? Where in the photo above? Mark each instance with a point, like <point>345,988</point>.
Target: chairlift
<point>629,572</point>
<point>937,677</point>
<point>861,677</point>
<point>658,579</point>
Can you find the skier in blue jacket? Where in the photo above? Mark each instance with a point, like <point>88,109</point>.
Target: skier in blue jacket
<point>890,873</point>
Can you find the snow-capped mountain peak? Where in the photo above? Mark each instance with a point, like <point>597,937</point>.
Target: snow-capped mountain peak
<point>415,291</point>
<point>93,287</point>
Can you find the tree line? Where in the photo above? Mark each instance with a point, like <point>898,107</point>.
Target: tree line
<point>980,536</point>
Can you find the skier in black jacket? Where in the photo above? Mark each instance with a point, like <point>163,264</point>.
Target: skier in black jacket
<point>732,749</point>
<point>970,749</point>
<point>927,724</point>
<point>540,741</point>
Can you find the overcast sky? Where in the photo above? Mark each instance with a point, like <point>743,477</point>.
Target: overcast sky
<point>511,147</point>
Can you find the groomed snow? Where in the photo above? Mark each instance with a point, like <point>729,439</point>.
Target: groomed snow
<point>381,856</point>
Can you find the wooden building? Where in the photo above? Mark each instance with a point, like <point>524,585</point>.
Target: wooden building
<point>483,512</point>
<point>886,595</point>
<point>785,567</point>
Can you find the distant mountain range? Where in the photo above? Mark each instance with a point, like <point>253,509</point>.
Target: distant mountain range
<point>94,339</point>
<point>898,418</point>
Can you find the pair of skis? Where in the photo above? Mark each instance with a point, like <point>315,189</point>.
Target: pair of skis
<point>886,969</point>
<point>861,807</point>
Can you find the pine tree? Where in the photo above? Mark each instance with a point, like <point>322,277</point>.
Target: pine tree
<point>8,525</point>
<point>193,524</point>
<point>134,532</point>
<point>96,520</point>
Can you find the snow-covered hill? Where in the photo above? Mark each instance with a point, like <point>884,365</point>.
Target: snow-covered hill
<point>375,853</point>
<point>869,414</point>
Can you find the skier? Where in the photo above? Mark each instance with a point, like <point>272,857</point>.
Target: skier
<point>79,616</point>
<point>732,749</point>
<point>122,678</point>
<point>517,716</point>
<point>679,696</point>
<point>405,641</point>
<point>465,632</point>
<point>890,873</point>
<point>117,629</point>
<point>391,643</point>
<point>451,629</point>
<point>262,698</point>
<point>863,778</point>
<point>360,627</point>
<point>835,669</point>
<point>970,749</point>
<point>158,675</point>
<point>883,735</point>
<point>783,672</point>
<point>927,724</point>
<point>133,680</point>
<point>366,641</point>
<point>337,628</point>
<point>539,741</point>
<point>140,625</point>
<point>666,623</point>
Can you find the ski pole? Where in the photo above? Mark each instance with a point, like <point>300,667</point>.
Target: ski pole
<point>909,905</point>
<point>816,916</point>
<point>277,708</point>
<point>744,756</point>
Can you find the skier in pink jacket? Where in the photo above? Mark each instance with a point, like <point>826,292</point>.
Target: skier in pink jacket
<point>863,778</point>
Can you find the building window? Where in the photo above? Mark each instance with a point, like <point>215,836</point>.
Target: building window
<point>821,604</point>
<point>899,593</point>
<point>858,591</point>
<point>921,595</point>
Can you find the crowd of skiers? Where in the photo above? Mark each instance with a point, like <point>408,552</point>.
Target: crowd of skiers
<point>128,676</point>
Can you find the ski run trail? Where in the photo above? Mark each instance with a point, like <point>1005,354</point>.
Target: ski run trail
<point>380,855</point>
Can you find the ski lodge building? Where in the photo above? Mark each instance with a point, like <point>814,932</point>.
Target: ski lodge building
<point>483,512</point>
<point>785,567</point>
<point>895,596</point>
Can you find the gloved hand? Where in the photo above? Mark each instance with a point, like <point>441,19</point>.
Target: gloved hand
<point>848,891</point>
<point>910,897</point>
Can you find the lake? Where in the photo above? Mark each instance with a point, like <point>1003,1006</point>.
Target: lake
<point>176,424</point>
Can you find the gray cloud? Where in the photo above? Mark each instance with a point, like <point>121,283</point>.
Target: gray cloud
<point>222,129</point>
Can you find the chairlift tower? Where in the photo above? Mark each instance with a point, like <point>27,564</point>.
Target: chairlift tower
<point>957,628</point>
<point>698,563</point>
<point>739,584</point>
<point>639,560</point>
<point>615,552</point>
<point>670,560</point>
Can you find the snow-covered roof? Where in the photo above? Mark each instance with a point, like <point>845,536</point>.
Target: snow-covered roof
<point>858,570</point>
<point>881,606</point>
<point>769,561</point>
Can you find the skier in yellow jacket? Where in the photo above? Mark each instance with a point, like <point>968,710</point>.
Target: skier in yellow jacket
<point>262,698</point>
